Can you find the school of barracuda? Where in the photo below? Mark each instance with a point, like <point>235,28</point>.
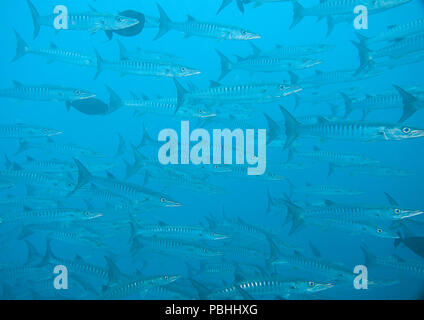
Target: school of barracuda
<point>119,220</point>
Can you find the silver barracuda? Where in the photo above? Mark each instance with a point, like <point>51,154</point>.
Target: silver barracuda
<point>25,131</point>
<point>136,193</point>
<point>193,27</point>
<point>40,216</point>
<point>347,130</point>
<point>265,64</point>
<point>395,32</point>
<point>241,93</point>
<point>53,53</point>
<point>86,21</point>
<point>144,68</point>
<point>45,93</point>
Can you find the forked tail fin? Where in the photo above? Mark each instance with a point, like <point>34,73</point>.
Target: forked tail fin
<point>164,23</point>
<point>35,18</point>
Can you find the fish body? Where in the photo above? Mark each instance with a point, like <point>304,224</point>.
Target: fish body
<point>25,131</point>
<point>86,21</point>
<point>193,27</point>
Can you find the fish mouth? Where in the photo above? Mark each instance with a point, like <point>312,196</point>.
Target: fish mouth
<point>95,216</point>
<point>313,63</point>
<point>220,237</point>
<point>292,91</point>
<point>130,23</point>
<point>253,36</point>
<point>411,213</point>
<point>192,73</point>
<point>322,286</point>
<point>207,115</point>
<point>417,133</point>
<point>173,204</point>
<point>51,134</point>
<point>173,278</point>
<point>88,96</point>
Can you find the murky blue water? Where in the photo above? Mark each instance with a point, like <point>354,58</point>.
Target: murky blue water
<point>242,196</point>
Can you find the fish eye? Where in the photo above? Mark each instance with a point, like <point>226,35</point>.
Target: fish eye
<point>406,130</point>
<point>282,86</point>
<point>311,283</point>
<point>162,200</point>
<point>183,69</point>
<point>87,213</point>
<point>77,92</point>
<point>119,19</point>
<point>243,32</point>
<point>46,130</point>
<point>165,277</point>
<point>379,230</point>
<point>397,211</point>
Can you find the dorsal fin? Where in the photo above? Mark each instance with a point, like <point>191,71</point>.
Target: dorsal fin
<point>162,224</point>
<point>79,258</point>
<point>17,84</point>
<point>16,166</point>
<point>329,202</point>
<point>214,84</point>
<point>53,45</point>
<point>190,18</point>
<point>110,175</point>
<point>391,200</point>
<point>92,8</point>
<point>30,159</point>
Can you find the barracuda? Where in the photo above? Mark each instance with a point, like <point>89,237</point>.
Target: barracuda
<point>144,68</point>
<point>193,27</point>
<point>164,230</point>
<point>45,93</point>
<point>334,158</point>
<point>321,78</point>
<point>20,131</point>
<point>409,45</point>
<point>395,32</point>
<point>53,53</point>
<point>394,262</point>
<point>133,192</point>
<point>329,270</point>
<point>265,64</point>
<point>242,93</point>
<point>141,54</point>
<point>171,246</point>
<point>17,174</point>
<point>354,219</point>
<point>270,286</point>
<point>160,106</point>
<point>409,102</point>
<point>139,285</point>
<point>86,21</point>
<point>347,130</point>
<point>58,148</point>
<point>78,266</point>
<point>39,216</point>
<point>340,8</point>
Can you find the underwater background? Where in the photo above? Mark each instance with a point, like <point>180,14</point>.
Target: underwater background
<point>224,227</point>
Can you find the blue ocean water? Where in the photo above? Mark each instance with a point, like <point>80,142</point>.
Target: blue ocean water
<point>242,197</point>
